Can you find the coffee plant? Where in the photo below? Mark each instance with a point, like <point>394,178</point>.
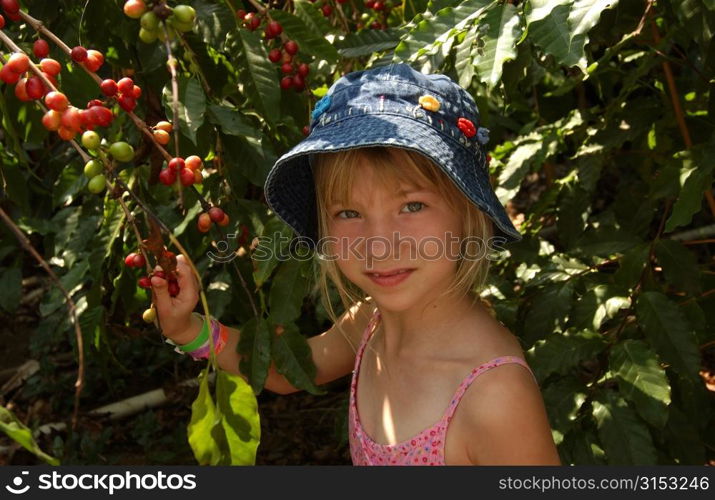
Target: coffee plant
<point>136,130</point>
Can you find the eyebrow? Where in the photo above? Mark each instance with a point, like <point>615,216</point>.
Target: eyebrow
<point>402,193</point>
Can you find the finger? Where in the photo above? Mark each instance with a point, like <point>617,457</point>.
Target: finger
<point>160,287</point>
<point>185,275</point>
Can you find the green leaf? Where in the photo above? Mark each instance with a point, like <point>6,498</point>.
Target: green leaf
<point>231,121</point>
<point>204,419</point>
<point>669,332</point>
<point>561,28</point>
<point>463,57</point>
<point>695,178</point>
<point>679,265</point>
<point>314,19</point>
<point>563,399</point>
<point>429,32</point>
<point>255,344</point>
<point>271,249</point>
<point>309,41</point>
<point>214,20</point>
<point>598,304</point>
<point>641,380</point>
<point>559,353</point>
<point>22,435</point>
<point>259,75</point>
<point>191,107</point>
<point>368,42</point>
<point>288,289</point>
<point>239,419</point>
<point>503,30</point>
<point>549,308</point>
<point>605,242</point>
<point>631,266</point>
<point>293,359</point>
<point>68,185</point>
<point>625,437</point>
<point>10,289</point>
<point>581,447</point>
<point>551,33</point>
<point>684,442</point>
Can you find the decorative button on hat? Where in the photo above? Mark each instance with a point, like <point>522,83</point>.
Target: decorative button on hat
<point>397,106</point>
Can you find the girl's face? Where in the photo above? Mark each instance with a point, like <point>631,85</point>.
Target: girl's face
<point>385,230</point>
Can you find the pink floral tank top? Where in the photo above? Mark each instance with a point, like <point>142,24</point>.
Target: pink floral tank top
<point>427,447</point>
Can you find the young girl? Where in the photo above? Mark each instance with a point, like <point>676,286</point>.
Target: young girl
<point>392,190</point>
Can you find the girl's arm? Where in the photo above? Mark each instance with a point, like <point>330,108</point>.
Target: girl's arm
<point>508,421</point>
<point>333,354</point>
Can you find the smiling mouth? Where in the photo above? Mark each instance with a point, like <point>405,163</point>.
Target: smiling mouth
<point>389,273</point>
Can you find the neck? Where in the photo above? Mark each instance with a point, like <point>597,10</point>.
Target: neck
<point>421,330</point>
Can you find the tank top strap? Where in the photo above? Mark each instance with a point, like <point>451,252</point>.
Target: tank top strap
<point>501,360</point>
<point>369,329</point>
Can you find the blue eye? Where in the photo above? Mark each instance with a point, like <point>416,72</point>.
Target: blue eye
<point>419,204</point>
<point>340,214</point>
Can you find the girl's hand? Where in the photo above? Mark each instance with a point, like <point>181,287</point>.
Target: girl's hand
<point>174,313</point>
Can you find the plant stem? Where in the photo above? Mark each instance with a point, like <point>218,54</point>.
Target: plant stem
<point>79,384</point>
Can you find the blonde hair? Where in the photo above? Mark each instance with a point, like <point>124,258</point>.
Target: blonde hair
<point>334,175</point>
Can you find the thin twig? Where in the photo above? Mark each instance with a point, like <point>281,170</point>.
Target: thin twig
<point>79,384</point>
<point>679,115</point>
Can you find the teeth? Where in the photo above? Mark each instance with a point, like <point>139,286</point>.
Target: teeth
<point>384,275</point>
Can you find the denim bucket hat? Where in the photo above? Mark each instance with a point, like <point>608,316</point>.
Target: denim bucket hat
<point>397,106</point>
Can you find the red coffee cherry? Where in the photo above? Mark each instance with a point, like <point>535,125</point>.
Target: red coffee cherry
<point>139,260</point>
<point>127,102</point>
<point>274,55</point>
<point>79,54</point>
<point>286,82</point>
<point>177,164</point>
<point>35,88</point>
<point>167,176</point>
<point>57,101</point>
<point>287,68</point>
<point>109,87</point>
<point>129,259</point>
<point>216,214</point>
<point>101,116</point>
<point>303,70</point>
<point>174,288</point>
<point>18,63</point>
<point>10,6</point>
<point>298,83</point>
<point>126,85</point>
<point>193,162</point>
<point>291,47</point>
<point>50,66</point>
<point>41,48</point>
<point>204,222</point>
<point>187,177</point>
<point>144,282</point>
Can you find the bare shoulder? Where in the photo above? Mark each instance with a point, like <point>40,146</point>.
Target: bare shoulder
<point>505,421</point>
<point>355,319</point>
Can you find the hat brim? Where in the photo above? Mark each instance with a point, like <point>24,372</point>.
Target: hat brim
<point>290,190</point>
